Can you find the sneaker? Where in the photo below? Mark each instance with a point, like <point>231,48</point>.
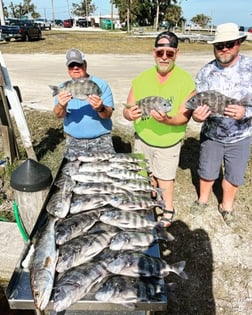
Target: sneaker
<point>198,207</point>
<point>227,216</point>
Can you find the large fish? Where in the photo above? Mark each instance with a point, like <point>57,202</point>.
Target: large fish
<point>117,157</point>
<point>42,265</point>
<point>216,101</point>
<point>152,103</point>
<point>134,240</point>
<point>86,177</point>
<point>79,88</point>
<point>128,291</point>
<point>101,188</point>
<point>126,174</point>
<point>81,250</point>
<point>74,226</point>
<point>89,202</point>
<point>75,283</point>
<point>133,202</point>
<point>127,219</point>
<point>59,203</point>
<point>137,264</point>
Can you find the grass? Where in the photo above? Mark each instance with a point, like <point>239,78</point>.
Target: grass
<point>91,42</point>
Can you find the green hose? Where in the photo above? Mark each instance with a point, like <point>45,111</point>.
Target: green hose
<point>19,222</point>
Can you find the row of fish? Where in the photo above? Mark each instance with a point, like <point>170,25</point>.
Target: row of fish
<point>97,235</point>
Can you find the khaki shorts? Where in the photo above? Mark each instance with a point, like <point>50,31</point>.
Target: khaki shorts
<point>163,162</point>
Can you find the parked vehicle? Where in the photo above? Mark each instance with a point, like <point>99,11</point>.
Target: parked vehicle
<point>43,23</point>
<point>82,23</point>
<point>58,22</point>
<point>25,30</point>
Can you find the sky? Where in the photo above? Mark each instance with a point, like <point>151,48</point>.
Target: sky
<point>221,11</point>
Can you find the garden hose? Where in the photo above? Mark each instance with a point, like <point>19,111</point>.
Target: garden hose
<point>19,222</point>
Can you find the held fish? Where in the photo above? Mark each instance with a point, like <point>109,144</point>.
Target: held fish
<point>43,263</point>
<point>216,101</point>
<point>152,103</point>
<point>136,264</point>
<point>79,88</point>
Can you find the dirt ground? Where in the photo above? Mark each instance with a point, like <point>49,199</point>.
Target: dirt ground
<point>218,258</point>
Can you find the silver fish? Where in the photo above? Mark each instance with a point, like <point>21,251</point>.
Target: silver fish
<point>59,203</point>
<point>81,250</point>
<point>70,168</point>
<point>64,183</point>
<point>132,202</point>
<point>117,157</point>
<point>125,174</point>
<point>126,240</point>
<point>75,283</point>
<point>86,177</point>
<point>152,103</point>
<point>215,100</point>
<point>89,202</point>
<point>105,166</point>
<point>136,264</point>
<point>127,219</point>
<point>101,188</point>
<point>79,88</point>
<point>42,266</point>
<point>128,291</point>
<point>74,226</point>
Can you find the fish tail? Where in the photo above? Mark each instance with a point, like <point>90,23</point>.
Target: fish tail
<point>164,235</point>
<point>178,268</point>
<point>55,89</point>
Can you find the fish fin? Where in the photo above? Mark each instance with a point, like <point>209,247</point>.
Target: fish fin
<point>178,268</point>
<point>55,89</point>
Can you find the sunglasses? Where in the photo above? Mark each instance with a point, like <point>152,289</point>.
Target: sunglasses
<point>75,64</point>
<point>227,45</point>
<point>169,53</point>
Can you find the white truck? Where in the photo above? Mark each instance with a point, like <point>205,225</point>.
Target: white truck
<point>43,23</point>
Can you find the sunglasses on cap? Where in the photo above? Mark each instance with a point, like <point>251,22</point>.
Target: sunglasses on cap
<point>228,45</point>
<point>169,53</point>
<point>75,64</point>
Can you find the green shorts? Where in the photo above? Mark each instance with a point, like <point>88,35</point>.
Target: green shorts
<point>163,162</point>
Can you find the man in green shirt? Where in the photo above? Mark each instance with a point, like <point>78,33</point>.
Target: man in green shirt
<point>159,137</point>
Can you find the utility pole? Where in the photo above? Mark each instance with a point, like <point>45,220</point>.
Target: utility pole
<point>2,13</point>
<point>53,16</point>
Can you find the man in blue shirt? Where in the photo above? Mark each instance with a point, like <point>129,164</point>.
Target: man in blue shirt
<point>87,123</point>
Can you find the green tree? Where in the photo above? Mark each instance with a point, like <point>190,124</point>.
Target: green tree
<point>201,19</point>
<point>20,10</point>
<point>173,15</point>
<point>85,8</point>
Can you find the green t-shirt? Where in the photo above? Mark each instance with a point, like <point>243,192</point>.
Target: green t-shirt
<point>175,90</point>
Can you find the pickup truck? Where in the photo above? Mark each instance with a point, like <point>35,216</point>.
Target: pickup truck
<point>25,30</point>
<point>43,23</point>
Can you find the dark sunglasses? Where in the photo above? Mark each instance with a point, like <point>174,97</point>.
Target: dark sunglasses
<point>169,54</point>
<point>75,64</point>
<point>228,45</point>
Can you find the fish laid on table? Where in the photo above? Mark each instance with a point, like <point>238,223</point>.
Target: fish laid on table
<point>128,291</point>
<point>126,174</point>
<point>59,203</point>
<point>105,166</point>
<point>75,283</point>
<point>134,240</point>
<point>79,88</point>
<point>101,188</point>
<point>71,167</point>
<point>137,264</point>
<point>81,250</point>
<point>134,202</point>
<point>74,225</point>
<point>127,219</point>
<point>64,183</point>
<point>86,177</point>
<point>117,157</point>
<point>216,101</point>
<point>152,103</point>
<point>87,202</point>
<point>42,265</point>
